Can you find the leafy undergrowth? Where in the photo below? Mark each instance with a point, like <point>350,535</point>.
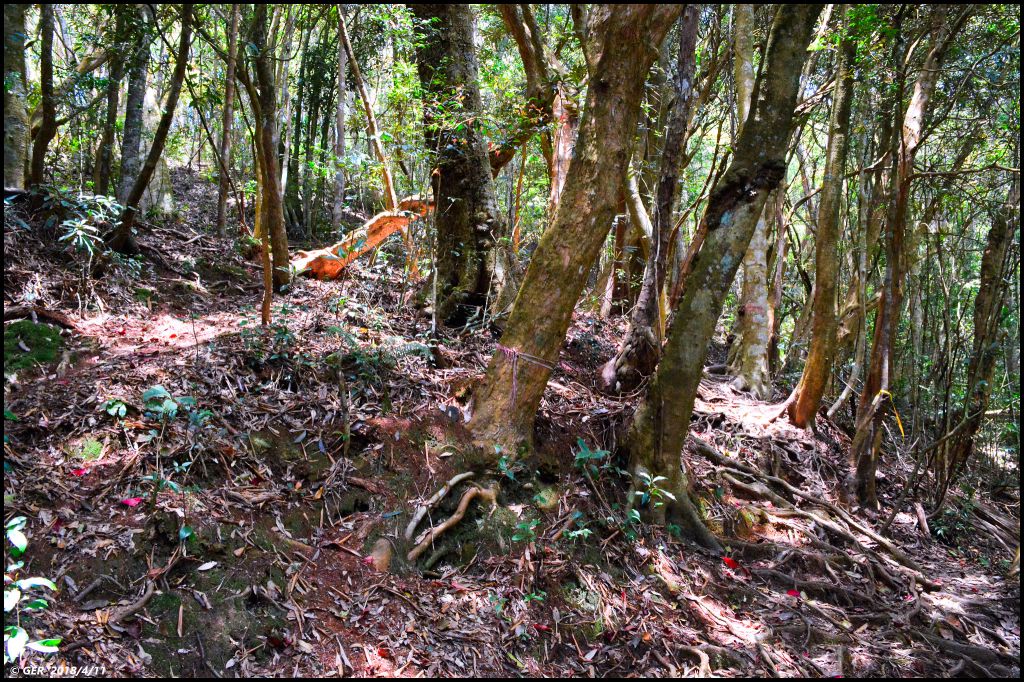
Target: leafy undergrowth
<point>206,493</point>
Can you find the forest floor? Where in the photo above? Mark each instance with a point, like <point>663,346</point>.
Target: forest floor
<point>222,524</point>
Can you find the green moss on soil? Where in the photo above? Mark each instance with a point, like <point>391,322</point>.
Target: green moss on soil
<point>42,340</point>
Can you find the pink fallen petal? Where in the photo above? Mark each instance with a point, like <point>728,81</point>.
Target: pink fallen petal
<point>80,472</point>
<point>131,501</point>
<point>793,593</point>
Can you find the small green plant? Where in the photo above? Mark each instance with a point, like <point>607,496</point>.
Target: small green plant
<point>526,531</point>
<point>508,469</point>
<point>21,599</point>
<point>534,596</point>
<point>115,407</point>
<point>651,493</point>
<point>581,531</point>
<point>590,462</point>
<point>160,405</point>
<point>497,602</point>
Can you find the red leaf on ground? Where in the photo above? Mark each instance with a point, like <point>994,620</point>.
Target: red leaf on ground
<point>80,472</point>
<point>793,593</point>
<point>368,560</point>
<point>131,501</point>
<point>730,562</point>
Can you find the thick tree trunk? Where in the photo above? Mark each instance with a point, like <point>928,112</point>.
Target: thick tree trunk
<point>16,126</point>
<point>47,104</point>
<point>131,138</point>
<point>662,420</point>
<point>624,43</point>
<point>227,119</point>
<point>818,366</point>
<point>121,240</point>
<point>748,355</point>
<point>641,349</point>
<point>467,219</point>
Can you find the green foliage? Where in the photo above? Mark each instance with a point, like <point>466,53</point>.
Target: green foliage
<point>953,524</point>
<point>591,462</point>
<point>526,531</point>
<point>21,598</point>
<point>650,492</point>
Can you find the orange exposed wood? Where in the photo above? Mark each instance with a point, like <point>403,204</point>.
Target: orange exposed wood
<point>328,263</point>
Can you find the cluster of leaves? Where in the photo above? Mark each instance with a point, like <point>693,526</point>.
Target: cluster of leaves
<point>21,598</point>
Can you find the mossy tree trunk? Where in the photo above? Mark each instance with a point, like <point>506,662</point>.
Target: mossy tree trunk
<point>622,41</point>
<point>662,420</point>
<point>467,218</point>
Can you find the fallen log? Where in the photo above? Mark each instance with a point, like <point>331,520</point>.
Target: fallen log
<point>329,262</point>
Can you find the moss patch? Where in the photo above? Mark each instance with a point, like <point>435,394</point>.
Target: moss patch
<point>42,340</point>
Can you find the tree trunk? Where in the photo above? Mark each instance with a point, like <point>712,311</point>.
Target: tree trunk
<point>268,139</point>
<point>227,120</point>
<point>748,355</point>
<point>619,59</point>
<point>876,397</point>
<point>48,105</point>
<point>105,155</point>
<point>467,219</point>
<point>662,420</point>
<point>121,240</point>
<point>372,131</point>
<point>988,318</point>
<point>106,151</point>
<point>131,137</point>
<point>16,126</point>
<point>641,349</point>
<point>339,134</point>
<point>818,366</point>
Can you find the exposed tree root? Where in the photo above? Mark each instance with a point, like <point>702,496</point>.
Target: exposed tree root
<point>123,612</point>
<point>716,457</point>
<point>489,494</point>
<point>441,493</point>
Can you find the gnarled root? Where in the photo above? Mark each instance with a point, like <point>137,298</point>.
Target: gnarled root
<point>489,494</point>
<point>432,502</point>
